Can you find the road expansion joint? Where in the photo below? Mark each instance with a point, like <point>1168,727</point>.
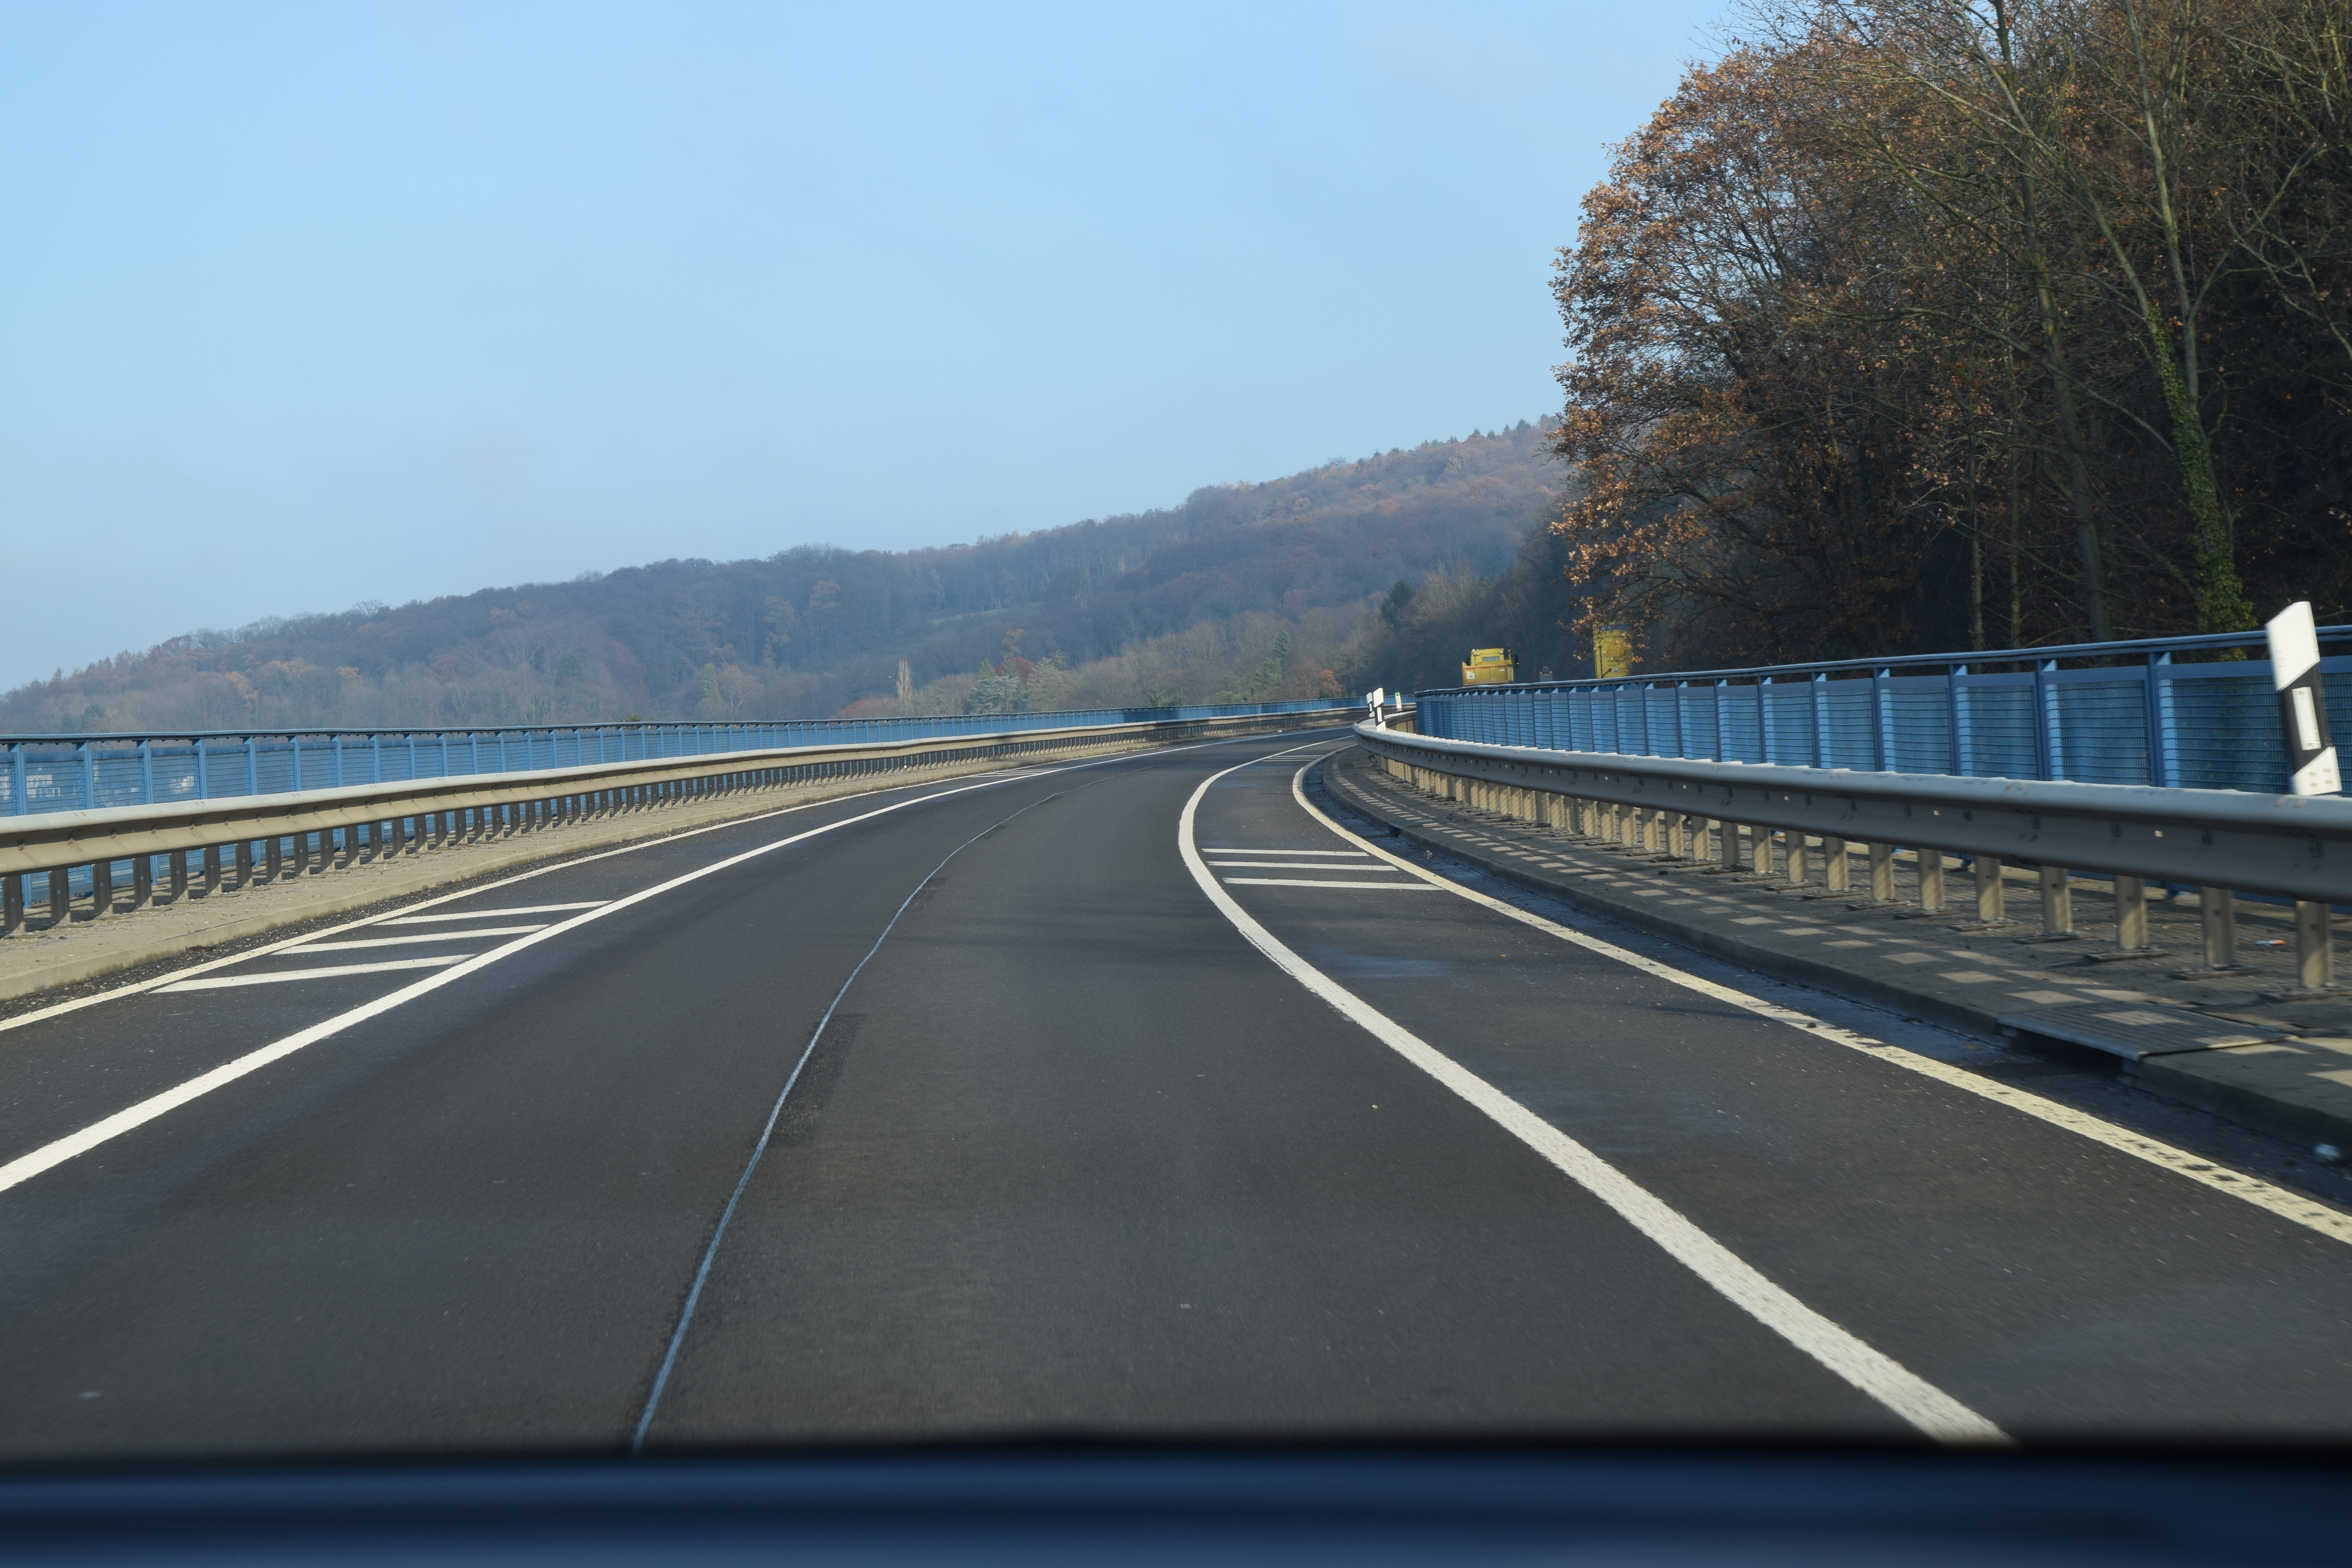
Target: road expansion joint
<point>1914,969</point>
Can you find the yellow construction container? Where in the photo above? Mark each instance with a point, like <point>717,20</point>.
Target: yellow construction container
<point>1490,667</point>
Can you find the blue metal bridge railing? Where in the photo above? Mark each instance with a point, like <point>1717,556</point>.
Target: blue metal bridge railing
<point>2193,712</point>
<point>76,773</point>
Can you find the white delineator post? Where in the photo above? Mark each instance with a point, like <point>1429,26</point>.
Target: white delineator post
<point>1372,700</point>
<point>2311,769</point>
<point>2303,704</point>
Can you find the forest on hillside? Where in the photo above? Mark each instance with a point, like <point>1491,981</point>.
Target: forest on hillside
<point>1243,591</point>
<point>1916,324</point>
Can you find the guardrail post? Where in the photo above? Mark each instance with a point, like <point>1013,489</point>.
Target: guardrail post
<point>1931,880</point>
<point>2217,918</point>
<point>2315,948</point>
<point>143,880</point>
<point>1676,835</point>
<point>101,888</point>
<point>1702,847</point>
<point>12,903</point>
<point>58,880</point>
<point>212,869</point>
<point>1836,870</point>
<point>272,855</point>
<point>2057,906</point>
<point>2131,915</point>
<point>1797,846</point>
<point>179,882</point>
<point>1990,909</point>
<point>1882,873</point>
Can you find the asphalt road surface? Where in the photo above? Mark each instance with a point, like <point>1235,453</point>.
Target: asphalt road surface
<point>1131,1099</point>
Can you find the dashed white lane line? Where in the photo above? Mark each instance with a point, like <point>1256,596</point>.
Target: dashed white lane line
<point>2294,1206</point>
<point>466,934</point>
<point>1876,1374</point>
<point>219,982</point>
<point>1308,882</point>
<point>485,914</point>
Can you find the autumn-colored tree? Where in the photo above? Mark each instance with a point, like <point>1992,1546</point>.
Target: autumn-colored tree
<point>1908,311</point>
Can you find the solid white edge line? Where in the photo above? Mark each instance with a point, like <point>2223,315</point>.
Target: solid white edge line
<point>1867,1368</point>
<point>2296,1207</point>
<point>48,1156</point>
<point>221,981</point>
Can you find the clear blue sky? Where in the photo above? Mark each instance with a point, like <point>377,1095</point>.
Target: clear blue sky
<point>310,304</point>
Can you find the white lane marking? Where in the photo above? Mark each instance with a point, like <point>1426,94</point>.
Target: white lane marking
<point>485,914</point>
<point>465,934</point>
<point>25,1167</point>
<point>219,982</point>
<point>1303,883</point>
<point>2288,1205</point>
<point>1375,867</point>
<point>1872,1371</point>
<point>1008,775</point>
<point>1269,849</point>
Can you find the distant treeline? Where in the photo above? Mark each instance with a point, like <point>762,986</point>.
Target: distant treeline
<point>1916,324</point>
<point>1246,590</point>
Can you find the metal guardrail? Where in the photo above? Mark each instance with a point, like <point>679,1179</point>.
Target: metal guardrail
<point>2220,841</point>
<point>208,847</point>
<point>2194,712</point>
<point>81,772</point>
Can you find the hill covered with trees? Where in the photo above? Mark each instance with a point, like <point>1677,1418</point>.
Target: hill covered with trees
<point>1246,591</point>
